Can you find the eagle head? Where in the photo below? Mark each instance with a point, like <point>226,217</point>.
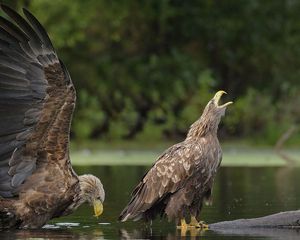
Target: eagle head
<point>213,108</point>
<point>213,112</point>
<point>91,191</point>
<point>210,118</point>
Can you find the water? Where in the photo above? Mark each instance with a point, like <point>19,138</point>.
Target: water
<point>239,192</point>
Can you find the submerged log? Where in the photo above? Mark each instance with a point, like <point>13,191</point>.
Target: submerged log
<point>283,220</point>
<point>260,233</point>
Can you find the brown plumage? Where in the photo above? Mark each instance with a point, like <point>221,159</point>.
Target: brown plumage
<point>37,100</point>
<point>182,177</point>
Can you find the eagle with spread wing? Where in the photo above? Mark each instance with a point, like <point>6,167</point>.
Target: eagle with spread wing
<point>37,100</point>
<point>182,177</point>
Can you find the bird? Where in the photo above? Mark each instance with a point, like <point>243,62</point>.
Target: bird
<point>37,100</point>
<point>182,177</point>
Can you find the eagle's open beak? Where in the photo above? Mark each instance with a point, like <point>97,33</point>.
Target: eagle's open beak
<point>217,98</point>
<point>98,208</point>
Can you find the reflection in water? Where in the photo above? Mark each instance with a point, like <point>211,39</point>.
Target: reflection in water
<point>38,234</point>
<point>142,234</point>
<point>62,233</point>
<point>238,193</point>
<point>275,234</point>
<point>149,233</point>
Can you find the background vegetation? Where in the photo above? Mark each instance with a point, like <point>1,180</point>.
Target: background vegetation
<point>144,70</point>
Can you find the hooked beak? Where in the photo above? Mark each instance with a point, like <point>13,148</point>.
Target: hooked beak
<point>217,98</point>
<point>98,207</point>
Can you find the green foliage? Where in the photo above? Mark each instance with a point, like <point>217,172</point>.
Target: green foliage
<point>252,115</point>
<point>145,69</point>
<point>255,114</point>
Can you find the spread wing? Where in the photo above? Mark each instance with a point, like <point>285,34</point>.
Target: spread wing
<point>167,176</point>
<point>37,99</point>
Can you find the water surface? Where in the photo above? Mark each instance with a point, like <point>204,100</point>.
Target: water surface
<point>239,192</point>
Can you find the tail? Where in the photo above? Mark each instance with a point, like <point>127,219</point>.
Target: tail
<point>130,211</point>
<point>8,219</point>
<point>125,215</point>
<point>138,205</point>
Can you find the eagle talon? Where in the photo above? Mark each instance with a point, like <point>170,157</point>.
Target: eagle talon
<point>203,225</point>
<point>194,223</point>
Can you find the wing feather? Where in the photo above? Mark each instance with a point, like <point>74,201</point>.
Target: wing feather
<point>23,25</point>
<point>166,177</point>
<point>39,29</point>
<point>37,99</point>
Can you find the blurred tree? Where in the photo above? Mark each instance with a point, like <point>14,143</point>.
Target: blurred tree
<point>145,65</point>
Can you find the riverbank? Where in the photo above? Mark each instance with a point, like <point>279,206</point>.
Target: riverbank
<point>233,155</point>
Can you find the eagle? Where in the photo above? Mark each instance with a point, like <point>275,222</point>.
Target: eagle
<point>37,100</point>
<point>182,177</point>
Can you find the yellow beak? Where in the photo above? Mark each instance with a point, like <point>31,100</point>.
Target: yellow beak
<point>98,208</point>
<point>218,96</point>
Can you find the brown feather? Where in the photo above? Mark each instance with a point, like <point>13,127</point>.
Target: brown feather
<point>183,175</point>
<point>37,179</point>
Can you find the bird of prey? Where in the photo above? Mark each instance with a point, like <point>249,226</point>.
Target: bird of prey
<point>37,99</point>
<point>182,177</point>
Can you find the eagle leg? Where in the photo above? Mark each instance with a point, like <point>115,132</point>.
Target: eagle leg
<point>183,227</point>
<point>196,224</point>
<point>183,224</point>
